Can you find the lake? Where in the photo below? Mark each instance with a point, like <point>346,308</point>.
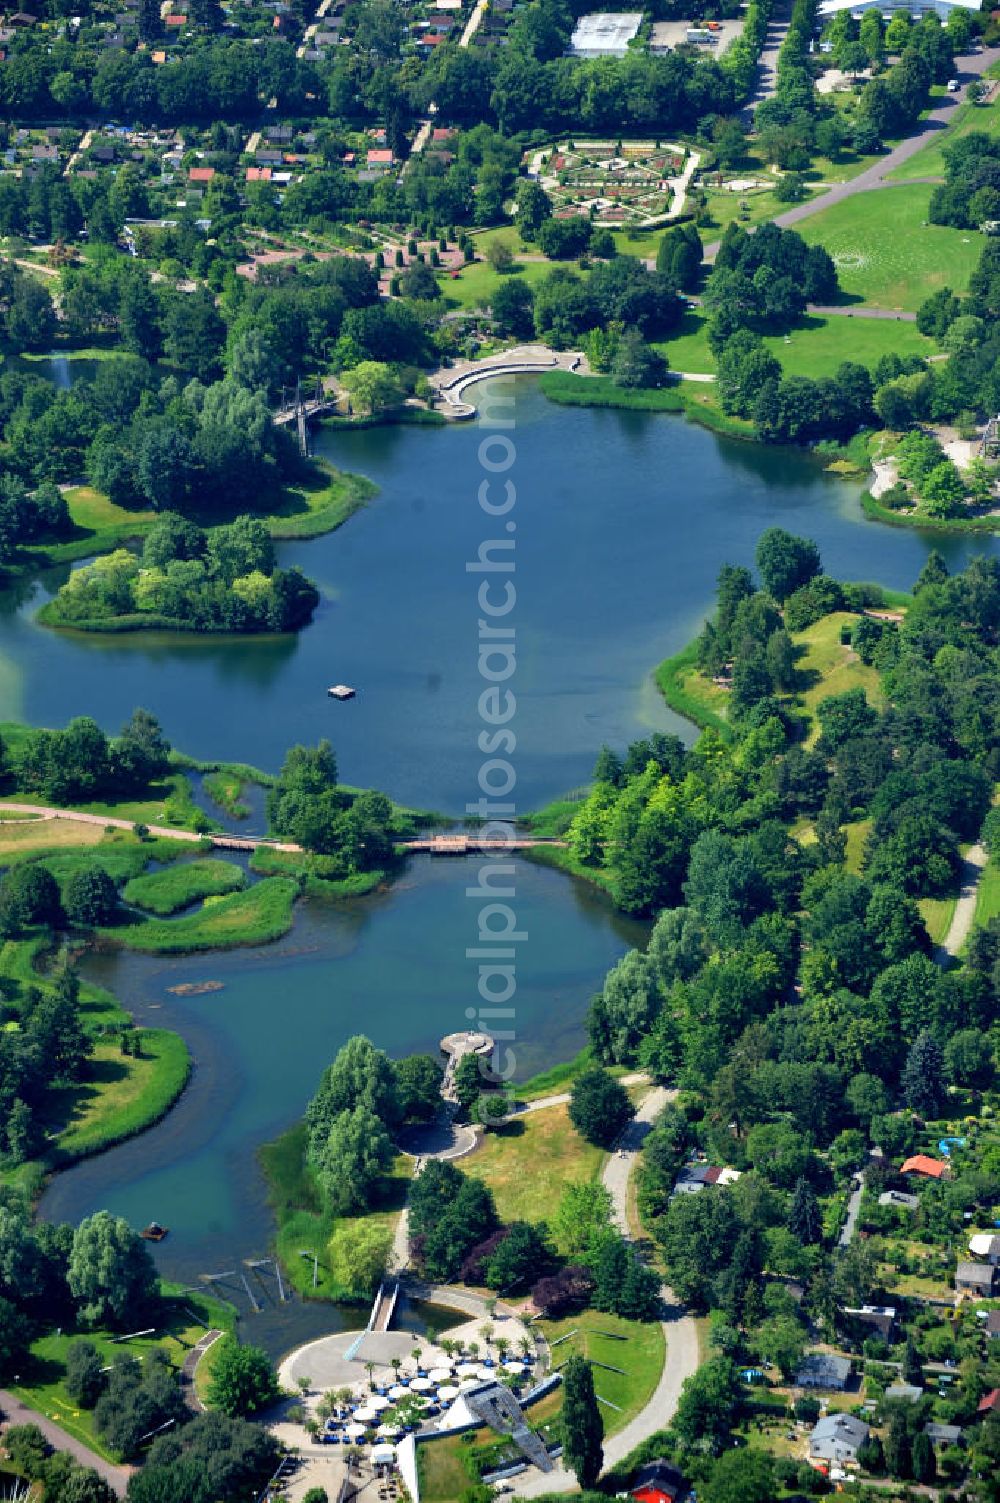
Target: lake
<point>623,520</point>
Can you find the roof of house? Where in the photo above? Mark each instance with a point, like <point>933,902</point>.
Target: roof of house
<point>946,1435</point>
<point>658,1479</point>
<point>840,1427</point>
<point>380,155</point>
<point>898,1198</point>
<point>989,1403</point>
<point>993,1323</point>
<point>823,1368</point>
<point>922,1163</point>
<point>201,174</point>
<point>983,1275</point>
<point>984,1245</point>
<point>905,1392</point>
<point>258,174</point>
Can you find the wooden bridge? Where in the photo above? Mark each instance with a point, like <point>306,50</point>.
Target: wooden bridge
<point>299,409</point>
<point>471,845</point>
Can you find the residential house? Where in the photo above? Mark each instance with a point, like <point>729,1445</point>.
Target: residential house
<point>993,1323</point>
<point>838,1438</point>
<point>985,1245</point>
<point>880,1318</point>
<point>380,156</point>
<point>976,1278</point>
<point>899,1199</point>
<point>922,1163</point>
<point>658,1482</point>
<point>904,1393</point>
<point>989,1403</point>
<point>694,1177</point>
<point>943,1435</point>
<point>258,174</point>
<point>824,1370</point>
<point>200,174</point>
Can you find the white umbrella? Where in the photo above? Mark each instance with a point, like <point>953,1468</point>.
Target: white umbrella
<point>467,1384</point>
<point>440,1374</point>
<point>382,1455</point>
<point>447,1393</point>
<point>354,1431</point>
<point>366,1415</point>
<point>486,1372</point>
<point>514,1367</point>
<point>421,1385</point>
<point>467,1369</point>
<point>378,1402</point>
<point>388,1432</point>
<point>398,1391</point>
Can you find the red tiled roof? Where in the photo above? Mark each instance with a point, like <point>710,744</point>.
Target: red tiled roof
<point>258,174</point>
<point>922,1163</point>
<point>989,1402</point>
<point>201,174</point>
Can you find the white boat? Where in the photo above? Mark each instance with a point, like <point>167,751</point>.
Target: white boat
<point>341,691</point>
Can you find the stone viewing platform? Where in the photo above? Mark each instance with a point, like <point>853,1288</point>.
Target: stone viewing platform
<point>456,1046</point>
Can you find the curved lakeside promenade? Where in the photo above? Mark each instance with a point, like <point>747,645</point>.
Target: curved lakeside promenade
<point>523,360</point>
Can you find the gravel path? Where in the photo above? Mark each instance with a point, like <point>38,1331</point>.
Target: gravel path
<point>679,1329</point>
<point>965,908</point>
<point>18,1413</point>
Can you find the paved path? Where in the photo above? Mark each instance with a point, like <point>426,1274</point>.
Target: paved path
<point>965,908</point>
<point>162,832</point>
<point>473,23</point>
<point>190,1367</point>
<point>679,1329</point>
<point>767,63</point>
<point>18,1413</point>
<point>971,67</point>
<point>638,1077</point>
<point>853,1208</point>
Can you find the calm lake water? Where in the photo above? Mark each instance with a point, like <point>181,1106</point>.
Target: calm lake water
<point>623,520</point>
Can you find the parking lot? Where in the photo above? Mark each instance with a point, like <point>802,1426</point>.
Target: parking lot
<point>668,35</point>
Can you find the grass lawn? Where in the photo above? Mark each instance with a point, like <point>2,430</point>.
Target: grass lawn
<point>887,254</point>
<point>819,345</point>
<point>320,503</point>
<point>166,892</point>
<point>690,693</point>
<point>857,838</point>
<point>528,1163</point>
<point>968,117</point>
<point>41,834</point>
<point>598,1336</point>
<point>937,914</point>
<point>988,894</point>
<point>476,283</point>
<point>184,1320</point>
<point>816,347</point>
<point>828,667</point>
<point>260,914</point>
<point>306,508</point>
<point>123,1096</point>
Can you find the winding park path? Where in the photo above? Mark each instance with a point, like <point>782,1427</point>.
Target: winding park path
<point>965,908</point>
<point>17,1413</point>
<point>941,116</point>
<point>679,1329</point>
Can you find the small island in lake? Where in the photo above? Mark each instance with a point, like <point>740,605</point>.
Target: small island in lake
<point>187,579</point>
